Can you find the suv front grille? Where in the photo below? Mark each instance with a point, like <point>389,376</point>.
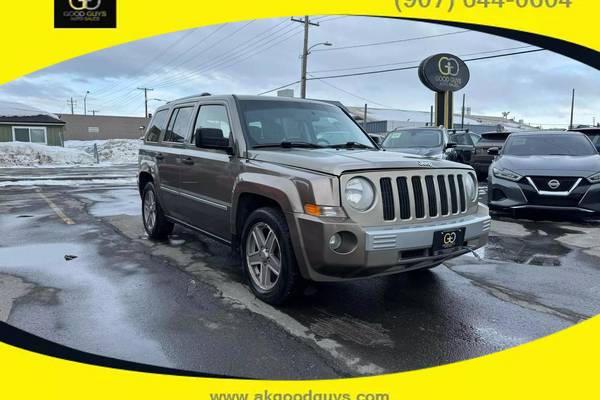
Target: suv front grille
<point>423,196</point>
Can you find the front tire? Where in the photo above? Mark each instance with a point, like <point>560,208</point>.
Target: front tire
<point>155,223</point>
<point>268,257</point>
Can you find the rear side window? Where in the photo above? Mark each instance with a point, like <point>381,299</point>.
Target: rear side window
<point>179,125</point>
<point>213,116</point>
<point>157,126</point>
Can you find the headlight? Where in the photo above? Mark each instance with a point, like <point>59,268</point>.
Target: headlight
<point>359,194</point>
<point>507,174</point>
<point>471,188</point>
<point>594,178</point>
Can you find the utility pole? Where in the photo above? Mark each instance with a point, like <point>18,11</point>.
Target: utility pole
<point>306,21</point>
<point>572,109</point>
<point>462,122</point>
<point>365,118</point>
<point>146,90</point>
<point>94,112</point>
<point>72,103</point>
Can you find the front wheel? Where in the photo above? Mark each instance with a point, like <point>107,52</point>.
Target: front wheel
<point>268,257</point>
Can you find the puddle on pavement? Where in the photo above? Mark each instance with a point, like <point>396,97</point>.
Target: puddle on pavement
<point>114,202</point>
<point>538,251</point>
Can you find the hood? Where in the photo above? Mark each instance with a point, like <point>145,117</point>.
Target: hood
<point>551,165</point>
<point>336,162</point>
<point>420,151</point>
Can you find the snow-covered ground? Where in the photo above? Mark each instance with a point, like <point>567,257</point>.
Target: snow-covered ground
<point>17,154</point>
<point>116,151</point>
<point>75,153</point>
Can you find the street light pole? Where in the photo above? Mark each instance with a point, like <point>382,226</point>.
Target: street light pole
<point>85,102</point>
<point>572,109</point>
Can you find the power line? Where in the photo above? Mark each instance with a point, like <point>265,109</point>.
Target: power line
<point>352,94</point>
<point>401,69</point>
<point>236,57</point>
<point>416,61</point>
<point>393,41</point>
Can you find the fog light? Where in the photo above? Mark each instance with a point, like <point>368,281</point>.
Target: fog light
<point>335,241</point>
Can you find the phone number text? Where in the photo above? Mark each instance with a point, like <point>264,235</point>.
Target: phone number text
<point>450,4</point>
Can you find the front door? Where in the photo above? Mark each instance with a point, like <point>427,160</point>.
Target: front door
<point>206,177</point>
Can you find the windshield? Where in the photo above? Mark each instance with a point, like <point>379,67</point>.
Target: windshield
<point>320,125</point>
<point>549,145</point>
<point>413,138</point>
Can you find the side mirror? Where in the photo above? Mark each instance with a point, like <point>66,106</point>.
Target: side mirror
<point>493,151</point>
<point>376,139</point>
<point>212,138</point>
<point>450,145</point>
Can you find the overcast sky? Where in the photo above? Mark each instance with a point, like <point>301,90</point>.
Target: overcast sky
<point>255,56</point>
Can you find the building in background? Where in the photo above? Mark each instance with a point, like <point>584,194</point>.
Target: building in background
<point>380,120</point>
<point>102,127</point>
<point>23,123</point>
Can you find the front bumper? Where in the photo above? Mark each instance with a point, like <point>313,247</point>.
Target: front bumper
<point>379,250</point>
<point>505,194</point>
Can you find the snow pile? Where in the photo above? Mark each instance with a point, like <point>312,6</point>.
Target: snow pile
<point>116,151</point>
<point>10,109</point>
<point>17,154</point>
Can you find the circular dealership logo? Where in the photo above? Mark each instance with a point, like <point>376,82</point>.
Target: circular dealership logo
<point>444,73</point>
<point>554,184</point>
<point>449,239</point>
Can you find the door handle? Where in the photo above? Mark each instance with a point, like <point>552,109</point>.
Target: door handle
<point>187,161</point>
<point>160,156</point>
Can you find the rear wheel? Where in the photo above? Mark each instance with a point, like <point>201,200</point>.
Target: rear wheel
<point>268,258</point>
<point>155,223</point>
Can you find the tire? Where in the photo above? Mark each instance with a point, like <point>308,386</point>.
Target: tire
<point>155,223</point>
<point>268,257</point>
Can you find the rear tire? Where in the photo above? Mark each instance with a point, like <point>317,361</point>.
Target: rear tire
<point>155,222</point>
<point>268,257</point>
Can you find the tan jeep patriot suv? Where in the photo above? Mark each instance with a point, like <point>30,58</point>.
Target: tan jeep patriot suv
<point>302,191</point>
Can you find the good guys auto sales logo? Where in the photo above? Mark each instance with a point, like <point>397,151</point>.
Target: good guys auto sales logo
<point>85,5</point>
<point>85,14</point>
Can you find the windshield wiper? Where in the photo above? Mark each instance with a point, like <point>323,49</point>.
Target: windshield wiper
<point>289,145</point>
<point>350,145</point>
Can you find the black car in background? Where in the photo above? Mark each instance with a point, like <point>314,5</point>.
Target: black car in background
<point>545,170</point>
<point>592,133</point>
<point>463,143</point>
<point>481,159</point>
<point>427,142</point>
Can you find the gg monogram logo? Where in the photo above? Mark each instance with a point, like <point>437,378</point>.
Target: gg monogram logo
<point>89,5</point>
<point>449,239</point>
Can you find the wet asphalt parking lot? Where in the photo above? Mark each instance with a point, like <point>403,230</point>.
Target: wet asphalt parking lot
<point>76,268</point>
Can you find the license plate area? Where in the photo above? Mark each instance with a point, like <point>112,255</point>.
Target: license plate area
<point>448,239</point>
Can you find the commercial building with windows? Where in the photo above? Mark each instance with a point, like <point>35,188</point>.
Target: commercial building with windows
<point>22,123</point>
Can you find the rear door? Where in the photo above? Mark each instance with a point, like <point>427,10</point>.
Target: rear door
<point>168,159</point>
<point>207,177</point>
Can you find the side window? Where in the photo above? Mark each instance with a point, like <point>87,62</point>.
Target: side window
<point>179,125</point>
<point>157,126</point>
<point>212,116</point>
